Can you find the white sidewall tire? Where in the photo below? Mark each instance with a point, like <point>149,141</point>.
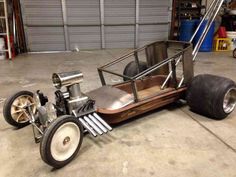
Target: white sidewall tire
<point>60,144</point>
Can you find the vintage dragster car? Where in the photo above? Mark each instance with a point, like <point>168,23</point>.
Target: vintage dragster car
<point>158,74</point>
<point>60,126</point>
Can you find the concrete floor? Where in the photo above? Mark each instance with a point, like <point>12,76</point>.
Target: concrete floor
<point>166,142</point>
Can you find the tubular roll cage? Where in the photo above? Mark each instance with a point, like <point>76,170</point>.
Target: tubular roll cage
<point>182,55</point>
<point>185,56</point>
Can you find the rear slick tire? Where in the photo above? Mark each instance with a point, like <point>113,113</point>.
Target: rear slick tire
<point>61,141</point>
<point>212,96</point>
<point>132,69</point>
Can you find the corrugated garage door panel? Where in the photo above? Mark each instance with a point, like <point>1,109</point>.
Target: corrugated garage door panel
<point>42,12</point>
<point>151,33</point>
<point>46,38</point>
<point>44,21</point>
<point>154,11</point>
<point>119,12</point>
<point>83,12</point>
<point>119,36</point>
<point>85,37</point>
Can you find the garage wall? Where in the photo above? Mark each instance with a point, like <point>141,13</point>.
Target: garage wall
<point>94,24</point>
<point>83,19</point>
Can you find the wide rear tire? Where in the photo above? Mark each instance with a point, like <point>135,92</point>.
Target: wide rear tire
<point>132,69</point>
<point>61,141</point>
<point>212,96</point>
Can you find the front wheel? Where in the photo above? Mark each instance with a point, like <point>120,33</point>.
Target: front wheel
<point>15,108</point>
<point>61,141</point>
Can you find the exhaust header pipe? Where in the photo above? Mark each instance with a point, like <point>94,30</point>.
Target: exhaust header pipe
<point>66,79</point>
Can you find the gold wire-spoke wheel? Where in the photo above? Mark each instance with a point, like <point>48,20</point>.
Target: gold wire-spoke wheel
<point>15,108</point>
<point>18,108</point>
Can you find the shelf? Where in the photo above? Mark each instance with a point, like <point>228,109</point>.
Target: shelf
<point>3,50</point>
<point>185,18</point>
<point>185,10</point>
<point>191,8</point>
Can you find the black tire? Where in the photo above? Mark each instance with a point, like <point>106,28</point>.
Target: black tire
<point>132,69</point>
<point>47,140</point>
<point>234,53</point>
<point>8,106</point>
<point>206,95</point>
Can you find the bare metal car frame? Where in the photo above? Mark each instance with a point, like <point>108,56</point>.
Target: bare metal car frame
<point>60,127</point>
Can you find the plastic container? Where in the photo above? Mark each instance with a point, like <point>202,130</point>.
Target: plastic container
<point>232,36</point>
<point>208,41</point>
<point>187,29</point>
<point>222,32</point>
<point>222,44</point>
<point>2,47</point>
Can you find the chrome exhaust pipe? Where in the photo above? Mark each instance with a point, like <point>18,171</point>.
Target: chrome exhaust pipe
<point>98,123</point>
<point>93,125</point>
<point>102,121</point>
<point>87,127</point>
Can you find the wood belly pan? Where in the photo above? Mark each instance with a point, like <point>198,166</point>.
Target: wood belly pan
<point>116,103</point>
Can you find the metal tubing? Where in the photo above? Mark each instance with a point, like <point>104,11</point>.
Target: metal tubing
<point>204,17</point>
<point>181,82</point>
<point>94,126</point>
<point>169,75</point>
<point>110,72</point>
<point>136,23</point>
<point>213,11</point>
<point>90,130</point>
<point>173,69</point>
<point>97,123</point>
<point>101,77</point>
<point>102,121</point>
<point>206,29</point>
<point>137,60</point>
<point>102,19</point>
<point>64,16</point>
<point>134,89</point>
<point>32,119</point>
<point>124,57</point>
<point>39,130</point>
<point>203,35</point>
<point>153,68</point>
